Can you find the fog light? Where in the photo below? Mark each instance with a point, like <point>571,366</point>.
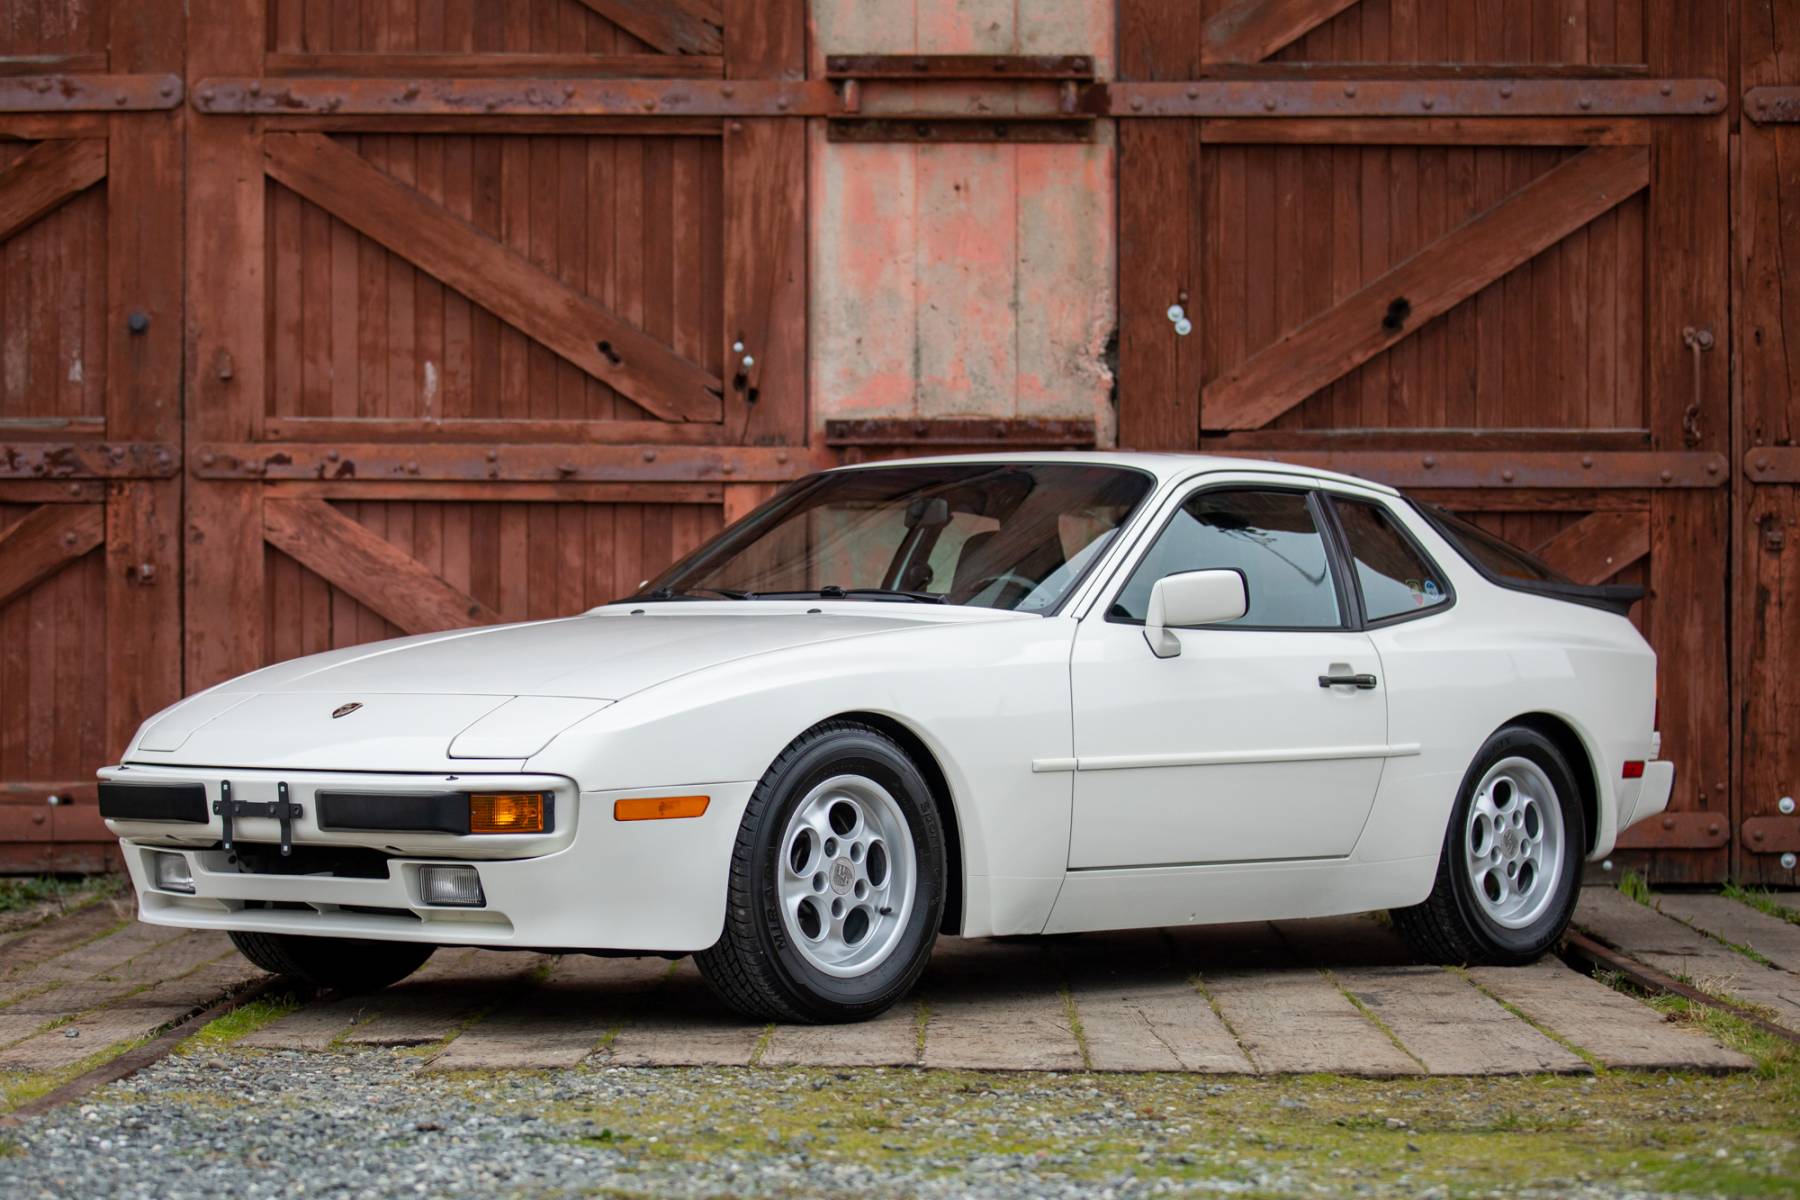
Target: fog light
<point>172,873</point>
<point>458,886</point>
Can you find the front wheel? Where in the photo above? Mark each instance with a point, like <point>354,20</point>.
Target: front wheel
<point>837,882</point>
<point>1509,871</point>
<point>340,964</point>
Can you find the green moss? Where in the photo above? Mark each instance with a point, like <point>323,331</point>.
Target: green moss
<point>22,1087</point>
<point>10,1149</point>
<point>241,1022</point>
<point>1318,1133</point>
<point>1073,1016</point>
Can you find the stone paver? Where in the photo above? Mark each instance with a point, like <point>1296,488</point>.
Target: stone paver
<point>1738,923</point>
<point>1619,1031</point>
<point>1298,1021</point>
<point>683,1025</point>
<point>1255,997</point>
<point>98,1031</point>
<point>560,1022</point>
<point>997,1005</point>
<point>1450,1026</point>
<point>1671,947</point>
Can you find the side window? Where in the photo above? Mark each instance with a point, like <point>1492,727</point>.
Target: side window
<point>1268,535</point>
<point>1395,577</point>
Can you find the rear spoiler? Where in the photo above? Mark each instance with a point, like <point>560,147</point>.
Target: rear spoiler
<point>1613,597</point>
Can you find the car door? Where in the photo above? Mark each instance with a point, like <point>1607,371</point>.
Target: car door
<point>1264,738</point>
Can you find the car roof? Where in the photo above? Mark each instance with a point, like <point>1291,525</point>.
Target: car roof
<point>1165,466</point>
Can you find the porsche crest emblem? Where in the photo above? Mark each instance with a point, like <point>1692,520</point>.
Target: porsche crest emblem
<point>344,710</point>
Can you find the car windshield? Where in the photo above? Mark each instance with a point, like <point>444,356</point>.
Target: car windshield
<point>990,535</point>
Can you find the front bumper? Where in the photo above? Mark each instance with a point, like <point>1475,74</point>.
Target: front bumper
<point>591,883</point>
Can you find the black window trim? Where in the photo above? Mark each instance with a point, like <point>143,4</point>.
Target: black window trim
<point>1614,598</point>
<point>1349,605</point>
<point>1343,538</point>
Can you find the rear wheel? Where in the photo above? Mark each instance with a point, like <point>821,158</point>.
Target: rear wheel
<point>1509,872</point>
<point>836,882</point>
<point>341,964</point>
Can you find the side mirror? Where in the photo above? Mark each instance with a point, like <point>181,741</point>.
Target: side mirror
<point>1192,598</point>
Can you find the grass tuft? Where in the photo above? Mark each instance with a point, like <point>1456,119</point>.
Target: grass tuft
<point>1635,887</point>
<point>1763,901</point>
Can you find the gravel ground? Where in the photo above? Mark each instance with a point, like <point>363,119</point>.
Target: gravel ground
<point>374,1124</point>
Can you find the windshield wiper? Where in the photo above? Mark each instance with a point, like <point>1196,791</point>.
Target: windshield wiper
<point>697,593</point>
<point>833,592</point>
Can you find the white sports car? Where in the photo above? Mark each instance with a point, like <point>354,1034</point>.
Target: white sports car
<point>1013,694</point>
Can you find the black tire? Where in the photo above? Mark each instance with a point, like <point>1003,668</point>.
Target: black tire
<point>1451,926</point>
<point>754,967</point>
<point>340,964</point>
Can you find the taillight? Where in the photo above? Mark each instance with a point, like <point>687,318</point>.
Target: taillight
<point>1634,769</point>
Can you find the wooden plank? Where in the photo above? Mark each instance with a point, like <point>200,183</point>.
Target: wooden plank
<point>369,568</point>
<point>1599,546</point>
<point>44,541</point>
<point>765,281</point>
<point>1157,269</point>
<point>1429,283</point>
<point>1433,1012</point>
<point>764,39</point>
<point>500,279</point>
<point>45,176</point>
<point>1252,30</point>
<point>671,26</point>
<point>1624,1034</point>
<point>498,64</point>
<point>1670,946</point>
<point>1296,1021</point>
<point>1735,922</point>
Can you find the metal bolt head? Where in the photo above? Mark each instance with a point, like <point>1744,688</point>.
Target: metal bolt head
<point>749,361</point>
<point>1787,861</point>
<point>1606,864</point>
<point>737,347</point>
<point>1176,312</point>
<point>137,321</point>
<point>1786,805</point>
<point>1183,327</point>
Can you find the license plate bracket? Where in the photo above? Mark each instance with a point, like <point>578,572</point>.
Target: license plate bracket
<point>281,809</point>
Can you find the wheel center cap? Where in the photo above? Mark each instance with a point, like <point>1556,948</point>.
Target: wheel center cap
<point>1509,842</point>
<point>843,875</point>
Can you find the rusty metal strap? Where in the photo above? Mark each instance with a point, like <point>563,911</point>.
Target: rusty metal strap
<point>1516,469</point>
<point>1771,835</point>
<point>1678,831</point>
<point>89,460</point>
<point>437,462</point>
<point>1029,432</point>
<point>586,97</point>
<point>88,93</point>
<point>1773,464</point>
<point>1411,98</point>
<point>1773,105</point>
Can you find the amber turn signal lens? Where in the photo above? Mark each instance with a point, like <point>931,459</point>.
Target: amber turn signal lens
<point>506,812</point>
<point>659,808</point>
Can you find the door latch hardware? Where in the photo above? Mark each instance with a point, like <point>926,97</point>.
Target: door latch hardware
<point>1698,342</point>
<point>281,810</point>
<point>1365,682</point>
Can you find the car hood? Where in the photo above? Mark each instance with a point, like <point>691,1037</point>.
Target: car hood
<point>500,692</point>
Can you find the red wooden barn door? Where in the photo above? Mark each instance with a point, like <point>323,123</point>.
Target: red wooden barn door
<point>1768,542</point>
<point>90,408</point>
<point>471,366</point>
<point>1522,317</point>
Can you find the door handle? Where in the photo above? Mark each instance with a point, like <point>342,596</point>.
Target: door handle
<point>1364,682</point>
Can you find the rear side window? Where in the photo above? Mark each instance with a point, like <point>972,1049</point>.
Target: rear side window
<point>1395,576</point>
<point>1497,558</point>
<point>1270,536</point>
